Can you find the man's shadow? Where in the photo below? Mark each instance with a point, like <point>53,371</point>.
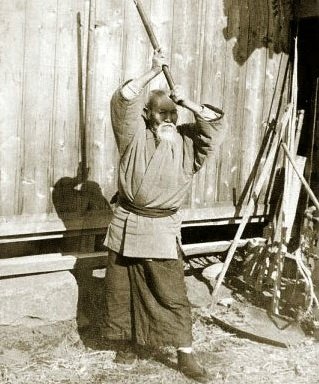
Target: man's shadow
<point>75,199</point>
<point>256,24</point>
<point>86,213</point>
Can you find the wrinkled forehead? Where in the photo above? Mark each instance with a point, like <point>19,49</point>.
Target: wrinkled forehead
<point>163,103</point>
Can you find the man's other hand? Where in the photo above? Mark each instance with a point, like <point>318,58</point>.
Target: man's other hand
<point>159,59</point>
<point>178,94</point>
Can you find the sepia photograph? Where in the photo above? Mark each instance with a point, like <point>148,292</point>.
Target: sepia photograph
<point>159,191</point>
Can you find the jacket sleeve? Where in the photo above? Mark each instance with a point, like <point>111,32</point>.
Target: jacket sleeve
<point>200,140</point>
<point>126,116</point>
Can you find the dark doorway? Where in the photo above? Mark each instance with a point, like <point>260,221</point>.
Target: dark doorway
<point>308,80</point>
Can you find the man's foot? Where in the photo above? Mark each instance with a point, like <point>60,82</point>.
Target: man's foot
<point>125,357</point>
<point>188,365</point>
<point>125,351</point>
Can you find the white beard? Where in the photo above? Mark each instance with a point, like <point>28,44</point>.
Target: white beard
<point>166,132</point>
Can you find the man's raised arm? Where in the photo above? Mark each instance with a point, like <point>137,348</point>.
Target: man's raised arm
<point>135,86</point>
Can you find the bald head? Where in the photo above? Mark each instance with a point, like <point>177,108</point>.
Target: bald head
<point>160,108</point>
<point>158,96</point>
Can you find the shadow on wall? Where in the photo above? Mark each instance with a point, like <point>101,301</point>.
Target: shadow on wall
<point>78,197</point>
<point>256,24</point>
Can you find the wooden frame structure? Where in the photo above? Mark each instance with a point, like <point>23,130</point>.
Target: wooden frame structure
<point>233,54</point>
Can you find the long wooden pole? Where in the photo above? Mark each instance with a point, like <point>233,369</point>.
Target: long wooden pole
<point>155,44</point>
<point>81,101</point>
<point>88,87</point>
<point>154,41</point>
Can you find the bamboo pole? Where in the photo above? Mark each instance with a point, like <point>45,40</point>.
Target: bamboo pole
<point>81,100</point>
<point>88,91</point>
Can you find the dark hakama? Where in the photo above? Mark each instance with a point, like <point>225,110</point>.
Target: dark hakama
<point>146,302</point>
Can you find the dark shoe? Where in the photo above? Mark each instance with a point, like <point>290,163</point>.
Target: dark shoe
<point>125,357</point>
<point>188,365</point>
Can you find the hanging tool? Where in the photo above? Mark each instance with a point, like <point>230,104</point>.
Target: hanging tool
<point>85,113</point>
<point>83,164</point>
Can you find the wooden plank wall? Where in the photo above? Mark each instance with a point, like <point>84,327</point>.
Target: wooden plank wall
<point>224,52</point>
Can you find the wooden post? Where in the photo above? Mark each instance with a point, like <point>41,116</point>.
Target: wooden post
<point>81,101</point>
<point>88,90</point>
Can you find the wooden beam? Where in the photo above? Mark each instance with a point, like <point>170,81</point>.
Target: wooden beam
<point>221,212</point>
<point>52,223</point>
<point>214,247</point>
<point>47,226</point>
<point>44,263</point>
<point>46,236</point>
<point>221,221</point>
<point>53,262</point>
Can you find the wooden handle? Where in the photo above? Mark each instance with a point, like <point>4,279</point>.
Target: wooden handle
<point>168,77</point>
<point>148,27</point>
<point>156,46</point>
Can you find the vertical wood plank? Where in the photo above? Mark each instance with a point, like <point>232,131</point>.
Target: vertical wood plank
<point>184,49</point>
<point>12,24</point>
<point>252,118</point>
<point>190,199</point>
<point>212,80</point>
<point>185,56</point>
<point>136,47</point>
<point>274,85</point>
<point>275,72</point>
<point>66,152</point>
<point>66,142</point>
<point>230,150</point>
<point>38,95</point>
<point>240,55</point>
<point>184,59</point>
<point>107,75</point>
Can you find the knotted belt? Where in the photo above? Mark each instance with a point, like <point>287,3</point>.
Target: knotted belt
<point>145,211</point>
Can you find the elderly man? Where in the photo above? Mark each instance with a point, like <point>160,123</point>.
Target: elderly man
<point>146,300</point>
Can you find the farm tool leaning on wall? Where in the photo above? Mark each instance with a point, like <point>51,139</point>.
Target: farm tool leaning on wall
<point>265,266</point>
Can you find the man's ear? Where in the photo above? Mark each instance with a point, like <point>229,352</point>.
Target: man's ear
<point>146,113</point>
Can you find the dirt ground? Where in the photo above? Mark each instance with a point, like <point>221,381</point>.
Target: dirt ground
<point>59,353</point>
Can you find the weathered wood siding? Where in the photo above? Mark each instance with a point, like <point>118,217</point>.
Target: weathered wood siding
<point>225,52</point>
